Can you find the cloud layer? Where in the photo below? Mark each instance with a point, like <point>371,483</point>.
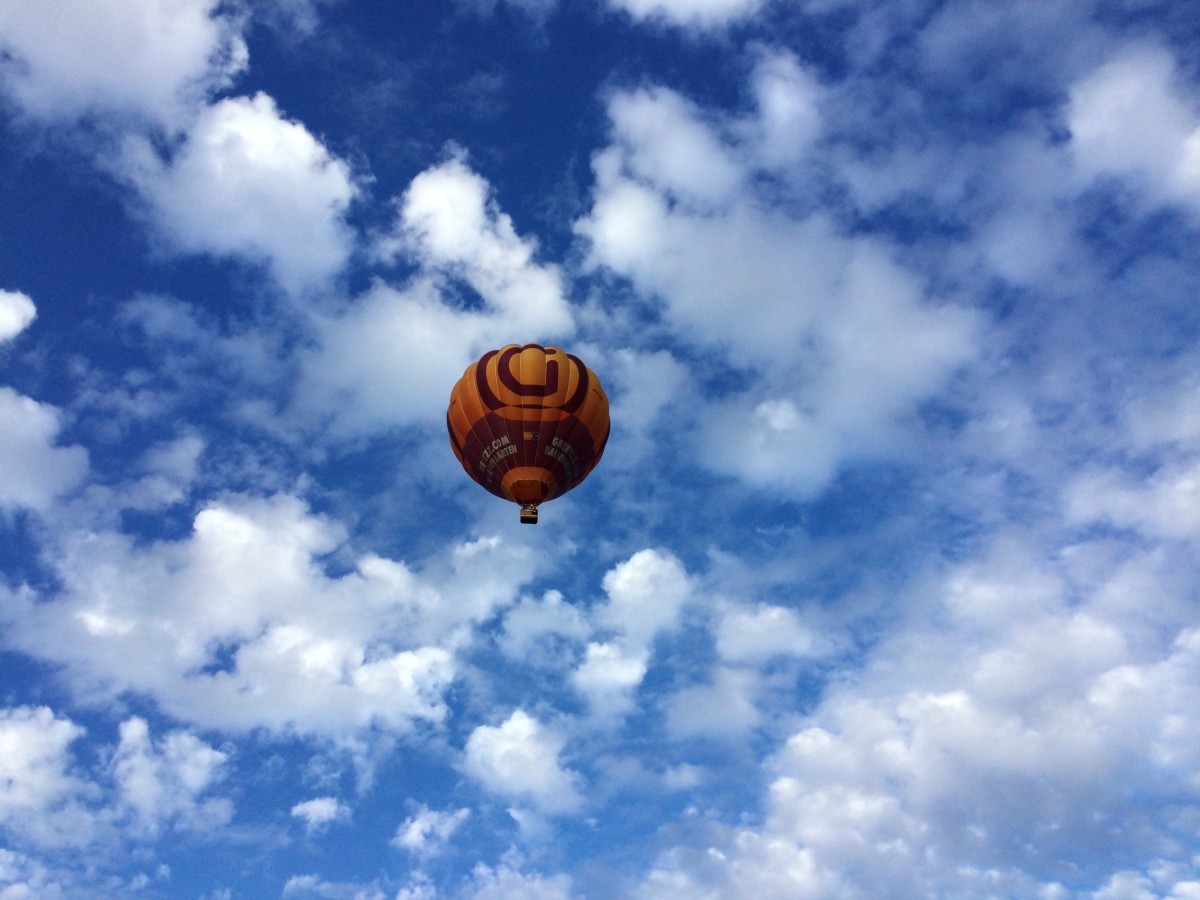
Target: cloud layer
<point>885,586</point>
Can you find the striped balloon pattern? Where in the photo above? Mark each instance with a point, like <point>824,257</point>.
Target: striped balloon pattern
<point>528,423</point>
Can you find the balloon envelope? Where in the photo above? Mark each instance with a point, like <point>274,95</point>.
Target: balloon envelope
<point>528,423</point>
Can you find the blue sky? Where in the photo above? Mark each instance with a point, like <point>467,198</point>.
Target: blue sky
<point>885,586</point>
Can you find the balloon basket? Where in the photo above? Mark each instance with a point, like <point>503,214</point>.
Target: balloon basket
<point>529,514</point>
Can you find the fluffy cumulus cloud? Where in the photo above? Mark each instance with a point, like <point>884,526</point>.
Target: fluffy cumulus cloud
<point>152,59</point>
<point>886,586</point>
<point>673,213</point>
<point>161,782</point>
<point>1134,117</point>
<point>605,651</point>
<point>238,626</point>
<point>759,634</point>
<point>48,799</point>
<point>538,630</point>
<point>248,183</point>
<point>320,812</point>
<point>667,143</point>
<point>41,797</point>
<point>36,469</point>
<point>645,596</point>
<point>508,882</point>
<point>314,886</point>
<point>608,676</point>
<point>787,120</point>
<point>1021,733</point>
<point>427,831</point>
<point>519,759</point>
<point>448,220</point>
<point>16,312</point>
<point>1164,505</point>
<point>24,876</point>
<point>387,358</point>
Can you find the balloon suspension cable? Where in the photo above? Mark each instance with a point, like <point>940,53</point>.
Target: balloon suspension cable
<point>529,514</point>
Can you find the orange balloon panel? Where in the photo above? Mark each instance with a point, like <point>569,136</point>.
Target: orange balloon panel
<point>528,423</point>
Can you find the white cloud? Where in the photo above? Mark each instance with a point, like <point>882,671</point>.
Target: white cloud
<point>684,777</point>
<point>1163,880</point>
<point>449,222</point>
<point>788,119</point>
<point>47,800</point>
<point>690,13</point>
<point>508,882</point>
<point>154,59</point>
<point>843,342</point>
<point>170,468</point>
<point>1028,243</point>
<point>16,313</point>
<point>1131,118</point>
<point>320,811</point>
<point>608,676</point>
<point>1166,504</point>
<point>1165,416</point>
<point>24,877</point>
<point>1012,187</point>
<point>771,444</point>
<point>238,626</point>
<point>666,142</point>
<point>625,224</point>
<point>161,782</point>
<point>41,798</point>
<point>391,357</point>
<point>641,388</point>
<point>519,758</point>
<point>875,350</point>
<point>418,888</point>
<point>645,595</point>
<point>1020,43</point>
<point>301,16</point>
<point>755,635</point>
<point>1021,716</point>
<point>724,708</point>
<point>316,886</point>
<point>428,831</point>
<point>984,745</point>
<point>35,469</point>
<point>248,183</point>
<point>541,631</point>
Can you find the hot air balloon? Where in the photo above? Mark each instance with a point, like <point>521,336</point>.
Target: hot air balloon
<point>528,423</point>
